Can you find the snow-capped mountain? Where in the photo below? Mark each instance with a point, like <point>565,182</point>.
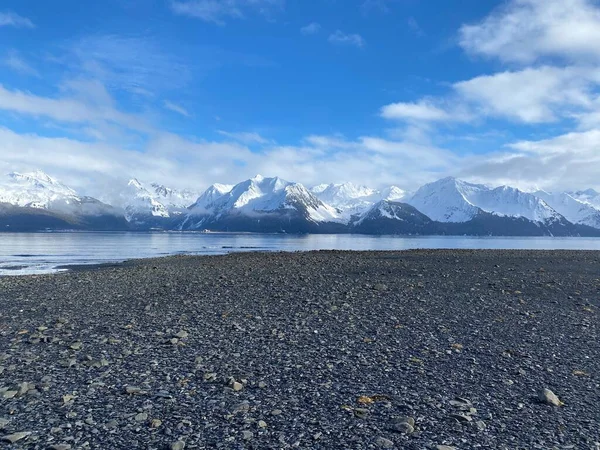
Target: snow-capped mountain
<point>209,197</point>
<point>35,200</point>
<point>350,199</point>
<point>141,201</point>
<point>172,198</point>
<point>34,190</point>
<point>455,201</point>
<point>45,200</point>
<point>588,196</point>
<point>574,210</point>
<point>256,199</point>
<point>446,200</point>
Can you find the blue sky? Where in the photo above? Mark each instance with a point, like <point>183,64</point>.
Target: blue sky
<point>190,92</point>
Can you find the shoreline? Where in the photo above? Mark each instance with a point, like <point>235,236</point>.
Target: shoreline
<point>326,349</point>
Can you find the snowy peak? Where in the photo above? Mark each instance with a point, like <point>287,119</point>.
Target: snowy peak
<point>351,199</point>
<point>574,210</point>
<point>339,195</point>
<point>34,189</point>
<point>207,200</point>
<point>453,200</point>
<point>446,200</point>
<point>261,195</point>
<point>589,196</point>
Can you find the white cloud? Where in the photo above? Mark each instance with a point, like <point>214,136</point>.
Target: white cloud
<point>533,95</point>
<point>341,38</point>
<point>176,108</point>
<point>421,111</point>
<point>94,106</point>
<point>217,11</point>
<point>311,28</point>
<point>245,137</point>
<point>9,18</point>
<point>15,62</point>
<point>526,30</point>
<point>565,162</point>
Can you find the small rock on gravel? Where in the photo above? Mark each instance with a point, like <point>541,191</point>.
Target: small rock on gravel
<point>550,398</point>
<point>15,437</point>
<point>179,445</point>
<point>384,443</point>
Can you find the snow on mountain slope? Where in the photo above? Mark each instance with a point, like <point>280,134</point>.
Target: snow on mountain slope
<point>138,201</point>
<point>588,196</point>
<point>34,189</point>
<point>40,191</point>
<point>445,200</point>
<point>574,210</point>
<point>509,201</point>
<point>350,199</point>
<point>260,195</point>
<point>173,198</point>
<point>210,196</point>
<point>452,200</point>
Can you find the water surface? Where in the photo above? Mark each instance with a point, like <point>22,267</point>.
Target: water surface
<point>31,253</point>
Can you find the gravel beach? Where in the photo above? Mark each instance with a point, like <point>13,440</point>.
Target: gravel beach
<point>322,350</point>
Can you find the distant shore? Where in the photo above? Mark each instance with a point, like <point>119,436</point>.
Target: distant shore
<point>326,350</point>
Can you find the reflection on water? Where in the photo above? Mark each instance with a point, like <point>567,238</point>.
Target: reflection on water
<point>30,253</point>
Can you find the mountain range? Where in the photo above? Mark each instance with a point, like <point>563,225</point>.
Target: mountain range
<point>36,201</point>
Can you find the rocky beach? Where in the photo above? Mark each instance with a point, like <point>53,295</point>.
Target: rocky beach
<point>433,349</point>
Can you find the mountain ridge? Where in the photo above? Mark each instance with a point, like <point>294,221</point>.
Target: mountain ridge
<point>263,204</point>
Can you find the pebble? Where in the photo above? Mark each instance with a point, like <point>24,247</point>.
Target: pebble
<point>156,423</point>
<point>182,334</point>
<point>133,390</point>
<point>15,437</point>
<point>550,398</point>
<point>237,386</point>
<point>445,447</point>
<point>179,445</point>
<point>276,412</point>
<point>3,422</point>
<point>247,435</point>
<point>384,443</point>
<point>361,413</point>
<point>9,394</point>
<point>262,424</point>
<point>380,287</point>
<point>403,427</point>
<point>61,447</point>
<point>141,417</point>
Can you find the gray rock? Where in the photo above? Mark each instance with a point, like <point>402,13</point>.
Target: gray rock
<point>405,419</point>
<point>3,422</point>
<point>403,427</point>
<point>384,443</point>
<point>445,447</point>
<point>61,447</point>
<point>247,435</point>
<point>361,413</point>
<point>276,412</point>
<point>550,398</point>
<point>179,445</point>
<point>15,437</point>
<point>141,417</point>
<point>182,334</point>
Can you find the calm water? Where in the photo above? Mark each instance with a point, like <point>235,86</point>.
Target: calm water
<point>30,253</point>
